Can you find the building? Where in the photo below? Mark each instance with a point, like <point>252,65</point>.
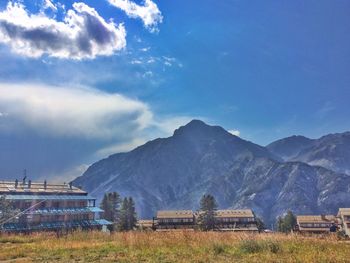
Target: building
<point>344,217</point>
<point>43,206</point>
<point>181,219</point>
<point>236,220</point>
<point>145,225</point>
<point>226,220</point>
<point>316,223</point>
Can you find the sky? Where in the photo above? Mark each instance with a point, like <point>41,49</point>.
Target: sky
<point>82,80</point>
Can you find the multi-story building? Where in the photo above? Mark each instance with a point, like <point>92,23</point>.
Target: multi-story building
<point>344,218</point>
<point>236,220</point>
<point>316,223</point>
<point>43,206</point>
<point>225,220</point>
<point>181,219</point>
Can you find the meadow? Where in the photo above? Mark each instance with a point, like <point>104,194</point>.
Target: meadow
<point>172,247</point>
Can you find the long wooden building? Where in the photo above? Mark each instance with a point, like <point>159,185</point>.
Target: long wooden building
<point>43,206</point>
<point>176,219</point>
<point>236,220</point>
<point>225,220</point>
<point>316,223</point>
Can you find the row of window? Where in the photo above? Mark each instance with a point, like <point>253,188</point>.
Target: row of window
<point>235,219</point>
<point>237,226</point>
<point>56,218</point>
<point>176,220</point>
<point>316,225</point>
<point>50,204</point>
<point>221,219</point>
<point>174,227</point>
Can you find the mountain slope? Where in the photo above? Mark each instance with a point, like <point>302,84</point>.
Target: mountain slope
<point>173,173</point>
<point>290,147</point>
<point>331,151</point>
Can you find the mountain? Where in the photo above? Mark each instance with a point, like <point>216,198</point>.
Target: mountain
<point>290,147</point>
<point>331,151</point>
<point>174,172</point>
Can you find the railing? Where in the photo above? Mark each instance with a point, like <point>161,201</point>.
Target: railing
<point>11,227</point>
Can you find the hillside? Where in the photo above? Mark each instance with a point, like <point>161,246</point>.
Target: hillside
<point>174,172</point>
<point>331,151</point>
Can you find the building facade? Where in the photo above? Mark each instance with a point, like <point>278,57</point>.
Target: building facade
<point>344,218</point>
<point>225,220</point>
<point>170,220</point>
<point>236,220</point>
<point>316,223</point>
<point>43,206</point>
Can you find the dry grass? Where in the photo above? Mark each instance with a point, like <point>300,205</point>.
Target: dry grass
<point>172,247</point>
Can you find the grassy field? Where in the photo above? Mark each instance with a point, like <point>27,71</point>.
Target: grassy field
<point>172,247</point>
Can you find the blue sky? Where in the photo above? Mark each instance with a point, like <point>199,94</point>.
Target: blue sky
<point>264,69</point>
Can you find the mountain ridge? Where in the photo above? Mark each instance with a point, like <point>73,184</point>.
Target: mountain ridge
<point>174,172</point>
<point>331,151</point>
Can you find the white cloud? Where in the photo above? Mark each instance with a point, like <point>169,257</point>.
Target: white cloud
<point>121,147</point>
<point>148,12</point>
<point>83,34</point>
<point>145,49</point>
<point>65,176</point>
<point>235,132</point>
<point>77,112</point>
<point>47,4</point>
<point>148,74</point>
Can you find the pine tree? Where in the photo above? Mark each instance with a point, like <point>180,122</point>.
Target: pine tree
<point>287,223</point>
<point>132,217</point>
<point>115,204</point>
<point>128,218</point>
<point>208,207</point>
<point>123,219</point>
<point>110,205</point>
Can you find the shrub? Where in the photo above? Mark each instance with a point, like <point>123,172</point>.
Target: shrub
<point>219,249</point>
<point>250,246</point>
<point>272,246</point>
<point>254,246</point>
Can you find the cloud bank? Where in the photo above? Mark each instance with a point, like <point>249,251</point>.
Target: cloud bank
<point>79,112</point>
<point>148,12</point>
<point>83,34</point>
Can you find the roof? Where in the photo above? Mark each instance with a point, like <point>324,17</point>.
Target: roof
<point>235,213</point>
<point>7,187</point>
<point>316,219</point>
<point>175,214</point>
<point>48,197</point>
<point>344,211</point>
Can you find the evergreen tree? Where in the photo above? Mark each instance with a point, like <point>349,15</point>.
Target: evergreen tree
<point>128,217</point>
<point>110,205</point>
<point>123,222</point>
<point>132,217</point>
<point>287,223</point>
<point>208,207</point>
